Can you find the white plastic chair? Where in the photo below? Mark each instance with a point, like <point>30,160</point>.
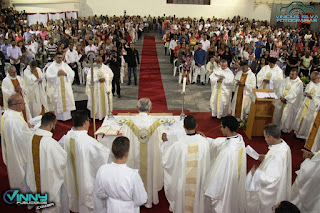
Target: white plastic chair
<point>180,73</point>
<point>6,68</point>
<point>22,66</point>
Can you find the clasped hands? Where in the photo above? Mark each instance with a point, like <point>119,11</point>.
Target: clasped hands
<point>61,73</point>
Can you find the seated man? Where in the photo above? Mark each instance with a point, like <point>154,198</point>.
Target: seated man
<point>85,156</point>
<point>225,182</point>
<point>270,183</point>
<point>117,175</point>
<point>186,163</point>
<point>290,94</point>
<point>221,86</point>
<point>244,82</point>
<point>305,189</point>
<point>144,133</point>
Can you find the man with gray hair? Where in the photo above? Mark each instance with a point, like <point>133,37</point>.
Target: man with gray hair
<point>15,137</point>
<point>270,183</point>
<point>12,84</point>
<point>145,135</point>
<point>221,87</point>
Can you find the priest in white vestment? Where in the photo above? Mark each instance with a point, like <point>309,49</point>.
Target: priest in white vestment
<point>118,188</point>
<point>244,82</point>
<point>85,156</point>
<point>307,110</point>
<point>102,80</point>
<point>224,186</point>
<point>35,83</point>
<point>12,84</point>
<point>305,189</point>
<point>186,163</point>
<point>313,140</point>
<point>290,94</point>
<point>270,183</point>
<point>221,88</point>
<point>46,165</point>
<point>15,139</point>
<point>60,78</point>
<point>145,135</point>
<point>270,76</point>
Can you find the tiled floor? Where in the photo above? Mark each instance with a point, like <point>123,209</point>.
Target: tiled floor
<point>196,99</point>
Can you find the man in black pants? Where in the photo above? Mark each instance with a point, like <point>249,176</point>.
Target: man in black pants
<point>132,59</point>
<point>115,63</point>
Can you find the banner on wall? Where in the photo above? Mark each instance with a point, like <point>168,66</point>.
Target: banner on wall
<point>34,18</point>
<point>297,12</point>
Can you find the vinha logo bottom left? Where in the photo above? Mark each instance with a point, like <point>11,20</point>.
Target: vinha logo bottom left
<point>12,196</point>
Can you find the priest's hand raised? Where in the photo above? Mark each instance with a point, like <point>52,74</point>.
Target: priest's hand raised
<point>164,137</point>
<point>101,80</point>
<point>61,73</point>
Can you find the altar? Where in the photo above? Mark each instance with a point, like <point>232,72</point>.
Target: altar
<point>112,128</point>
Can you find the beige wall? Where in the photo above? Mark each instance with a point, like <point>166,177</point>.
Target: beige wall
<point>218,8</point>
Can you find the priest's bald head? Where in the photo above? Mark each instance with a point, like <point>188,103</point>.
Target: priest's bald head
<point>144,105</point>
<point>16,102</point>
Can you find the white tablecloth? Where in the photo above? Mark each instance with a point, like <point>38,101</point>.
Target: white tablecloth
<point>174,131</point>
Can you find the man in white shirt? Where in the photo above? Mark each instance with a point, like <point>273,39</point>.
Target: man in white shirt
<point>14,54</point>
<point>205,43</point>
<point>91,48</point>
<point>72,57</point>
<point>172,45</point>
<point>85,156</point>
<point>221,87</point>
<point>15,137</point>
<point>305,189</point>
<point>60,77</point>
<point>46,164</point>
<point>225,182</point>
<point>186,163</point>
<point>270,183</point>
<point>118,188</point>
<point>290,94</point>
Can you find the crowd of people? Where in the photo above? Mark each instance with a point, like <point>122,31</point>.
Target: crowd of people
<point>236,55</point>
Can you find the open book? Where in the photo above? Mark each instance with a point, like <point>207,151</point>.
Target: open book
<point>109,130</point>
<point>270,95</point>
<point>252,153</point>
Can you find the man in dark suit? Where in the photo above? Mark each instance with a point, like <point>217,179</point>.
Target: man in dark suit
<point>115,63</point>
<point>252,64</point>
<point>132,58</point>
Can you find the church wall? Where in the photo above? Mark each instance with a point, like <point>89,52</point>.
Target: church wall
<point>218,8</point>
<point>262,12</point>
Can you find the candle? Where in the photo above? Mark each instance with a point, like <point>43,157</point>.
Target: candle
<point>108,83</point>
<point>184,84</point>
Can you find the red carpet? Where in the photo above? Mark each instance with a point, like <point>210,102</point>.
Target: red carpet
<point>150,82</point>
